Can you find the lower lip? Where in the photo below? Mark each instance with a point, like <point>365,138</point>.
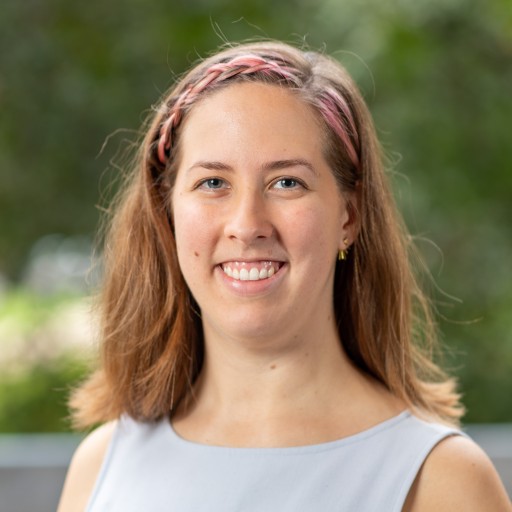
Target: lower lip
<point>251,288</point>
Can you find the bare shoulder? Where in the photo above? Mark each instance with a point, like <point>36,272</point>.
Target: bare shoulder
<point>458,476</point>
<point>84,469</point>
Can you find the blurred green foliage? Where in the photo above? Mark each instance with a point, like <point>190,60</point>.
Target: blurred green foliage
<point>36,400</point>
<point>437,75</point>
<point>46,350</point>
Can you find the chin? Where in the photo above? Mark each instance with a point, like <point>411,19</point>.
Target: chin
<point>250,327</point>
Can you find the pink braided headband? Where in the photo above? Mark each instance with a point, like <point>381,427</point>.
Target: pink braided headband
<point>331,102</point>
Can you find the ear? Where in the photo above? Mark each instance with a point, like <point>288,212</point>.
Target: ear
<point>350,220</point>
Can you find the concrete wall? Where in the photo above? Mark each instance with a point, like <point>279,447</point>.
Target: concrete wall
<point>33,467</point>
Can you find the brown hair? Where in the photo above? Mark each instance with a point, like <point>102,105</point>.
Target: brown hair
<point>151,334</point>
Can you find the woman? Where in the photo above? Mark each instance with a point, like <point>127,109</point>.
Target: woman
<point>264,341</point>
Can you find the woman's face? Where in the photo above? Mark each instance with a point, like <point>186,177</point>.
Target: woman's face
<point>258,215</point>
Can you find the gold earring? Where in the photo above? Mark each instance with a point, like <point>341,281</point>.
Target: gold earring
<point>342,253</point>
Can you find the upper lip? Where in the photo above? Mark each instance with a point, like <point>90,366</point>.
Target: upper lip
<point>250,260</point>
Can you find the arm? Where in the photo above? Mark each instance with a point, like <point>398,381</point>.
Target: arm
<point>84,469</point>
<point>457,476</point>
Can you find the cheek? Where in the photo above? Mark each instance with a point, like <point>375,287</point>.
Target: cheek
<point>314,231</point>
<point>192,228</point>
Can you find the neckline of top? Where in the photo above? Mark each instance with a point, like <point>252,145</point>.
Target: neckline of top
<point>327,445</point>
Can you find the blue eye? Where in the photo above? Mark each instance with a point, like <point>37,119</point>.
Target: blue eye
<point>286,183</point>
<point>212,183</point>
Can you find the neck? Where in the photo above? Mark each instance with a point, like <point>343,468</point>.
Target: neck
<point>272,372</point>
<point>290,390</point>
<point>284,380</point>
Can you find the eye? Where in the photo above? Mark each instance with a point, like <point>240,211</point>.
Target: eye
<point>212,184</point>
<point>288,184</point>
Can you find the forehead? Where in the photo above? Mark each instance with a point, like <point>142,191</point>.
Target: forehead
<point>253,113</point>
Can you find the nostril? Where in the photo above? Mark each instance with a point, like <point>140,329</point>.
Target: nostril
<point>248,229</point>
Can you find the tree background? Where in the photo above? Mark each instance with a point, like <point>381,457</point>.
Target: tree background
<point>436,74</point>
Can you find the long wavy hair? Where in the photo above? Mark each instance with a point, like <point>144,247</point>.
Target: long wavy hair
<point>151,333</point>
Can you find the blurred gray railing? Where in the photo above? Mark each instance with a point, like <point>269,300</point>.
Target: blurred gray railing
<point>32,470</point>
<point>33,467</point>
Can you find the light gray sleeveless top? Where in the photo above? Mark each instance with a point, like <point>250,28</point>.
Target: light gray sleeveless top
<point>148,467</point>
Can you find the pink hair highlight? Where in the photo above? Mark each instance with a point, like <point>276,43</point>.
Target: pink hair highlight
<point>331,103</point>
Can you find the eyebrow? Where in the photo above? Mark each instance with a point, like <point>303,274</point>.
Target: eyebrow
<point>275,165</point>
<point>284,164</point>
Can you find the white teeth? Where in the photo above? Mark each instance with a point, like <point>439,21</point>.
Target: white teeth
<point>250,274</point>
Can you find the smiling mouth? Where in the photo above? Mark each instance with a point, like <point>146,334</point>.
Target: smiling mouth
<point>251,271</point>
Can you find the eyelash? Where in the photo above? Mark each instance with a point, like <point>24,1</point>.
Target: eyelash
<point>204,183</point>
<point>287,178</point>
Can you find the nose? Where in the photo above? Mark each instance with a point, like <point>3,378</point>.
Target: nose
<point>248,218</point>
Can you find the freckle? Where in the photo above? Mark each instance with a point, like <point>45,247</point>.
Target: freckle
<point>272,366</point>
<point>196,254</point>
